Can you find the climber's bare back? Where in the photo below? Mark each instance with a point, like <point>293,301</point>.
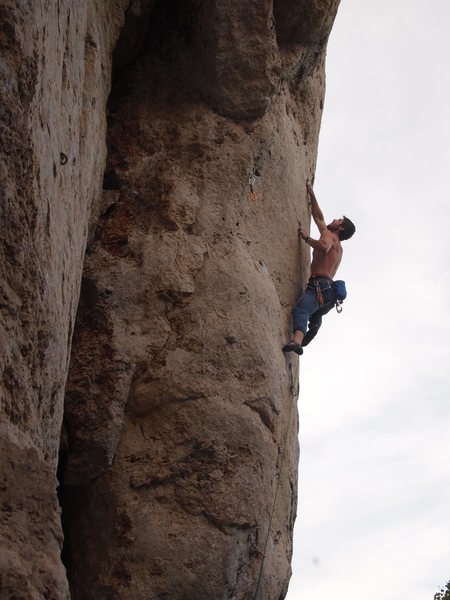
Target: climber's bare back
<point>327,263</point>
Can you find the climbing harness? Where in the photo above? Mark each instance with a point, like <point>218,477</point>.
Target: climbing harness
<point>262,554</point>
<point>340,293</point>
<point>251,182</point>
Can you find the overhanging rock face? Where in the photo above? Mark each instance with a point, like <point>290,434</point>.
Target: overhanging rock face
<point>177,396</point>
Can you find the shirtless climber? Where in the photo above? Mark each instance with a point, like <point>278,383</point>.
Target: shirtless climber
<point>321,293</point>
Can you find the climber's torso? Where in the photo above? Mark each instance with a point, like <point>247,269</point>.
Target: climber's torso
<point>327,263</point>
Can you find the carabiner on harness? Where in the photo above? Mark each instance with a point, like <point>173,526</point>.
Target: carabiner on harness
<point>338,306</point>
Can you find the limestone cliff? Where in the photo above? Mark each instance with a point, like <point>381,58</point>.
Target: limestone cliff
<point>145,296</point>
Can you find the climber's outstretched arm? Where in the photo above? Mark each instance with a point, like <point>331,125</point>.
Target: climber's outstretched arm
<point>317,214</point>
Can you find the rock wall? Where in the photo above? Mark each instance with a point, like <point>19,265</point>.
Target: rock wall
<point>55,73</point>
<point>132,209</point>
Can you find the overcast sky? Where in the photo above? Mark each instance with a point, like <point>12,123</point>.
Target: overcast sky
<point>374,485</point>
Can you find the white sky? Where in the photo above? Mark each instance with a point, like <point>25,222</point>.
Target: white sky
<point>374,487</point>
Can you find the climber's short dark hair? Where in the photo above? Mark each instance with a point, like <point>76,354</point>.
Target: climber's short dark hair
<point>348,231</point>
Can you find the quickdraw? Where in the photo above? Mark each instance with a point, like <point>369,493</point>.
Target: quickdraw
<point>251,182</point>
<point>319,293</point>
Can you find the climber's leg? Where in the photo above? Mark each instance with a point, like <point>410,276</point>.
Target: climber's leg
<point>315,321</point>
<point>306,306</point>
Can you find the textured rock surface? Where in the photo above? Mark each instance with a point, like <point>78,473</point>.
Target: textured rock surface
<point>54,83</point>
<point>178,397</point>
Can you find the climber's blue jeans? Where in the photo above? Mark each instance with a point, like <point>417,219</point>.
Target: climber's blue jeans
<point>308,306</point>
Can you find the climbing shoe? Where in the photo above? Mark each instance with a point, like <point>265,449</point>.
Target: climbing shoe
<point>293,347</point>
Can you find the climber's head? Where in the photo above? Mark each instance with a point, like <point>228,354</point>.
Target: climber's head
<point>343,227</point>
<point>346,230</point>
